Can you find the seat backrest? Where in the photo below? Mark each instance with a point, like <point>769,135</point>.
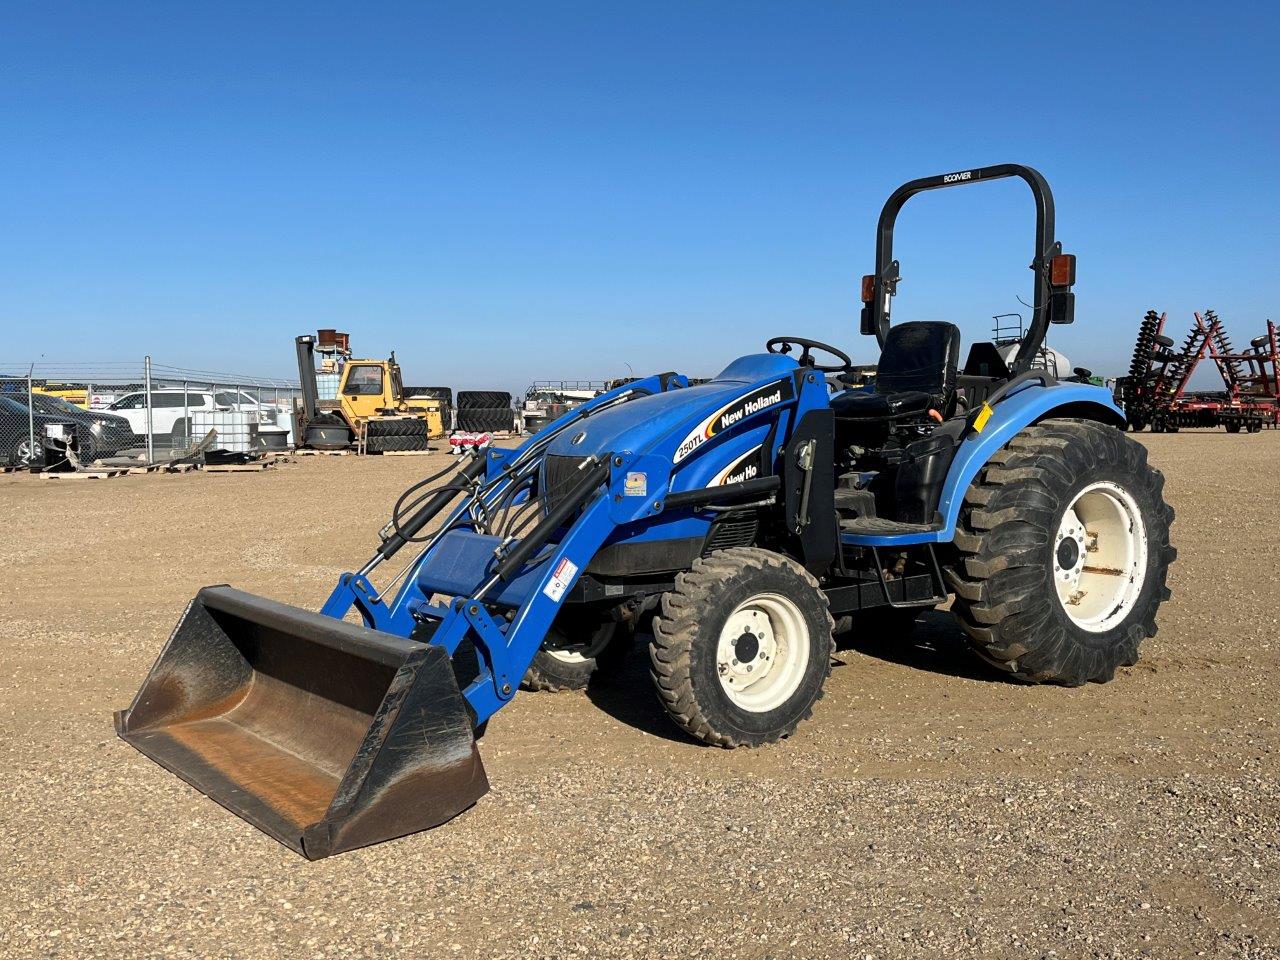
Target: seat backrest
<point>921,355</point>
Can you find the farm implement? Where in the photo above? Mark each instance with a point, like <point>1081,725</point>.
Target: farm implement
<point>1156,391</point>
<point>730,521</point>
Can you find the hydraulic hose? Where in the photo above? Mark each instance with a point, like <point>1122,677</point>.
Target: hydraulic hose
<point>595,475</point>
<point>404,530</point>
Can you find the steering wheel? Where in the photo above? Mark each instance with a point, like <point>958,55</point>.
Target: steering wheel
<point>784,346</point>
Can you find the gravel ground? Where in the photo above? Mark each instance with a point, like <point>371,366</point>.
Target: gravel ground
<point>929,808</point>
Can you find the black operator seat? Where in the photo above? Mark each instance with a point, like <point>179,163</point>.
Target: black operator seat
<point>917,372</point>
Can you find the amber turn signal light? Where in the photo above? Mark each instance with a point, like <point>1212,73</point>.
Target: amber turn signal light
<point>1062,270</point>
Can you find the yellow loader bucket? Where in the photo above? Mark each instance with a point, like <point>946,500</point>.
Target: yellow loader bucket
<point>325,735</point>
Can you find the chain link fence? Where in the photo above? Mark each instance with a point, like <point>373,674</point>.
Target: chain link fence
<point>113,408</point>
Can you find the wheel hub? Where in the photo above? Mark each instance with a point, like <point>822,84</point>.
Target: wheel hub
<point>1100,557</point>
<point>762,652</point>
<point>746,647</point>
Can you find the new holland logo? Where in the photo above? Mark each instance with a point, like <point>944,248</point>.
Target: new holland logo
<point>746,467</point>
<point>762,398</point>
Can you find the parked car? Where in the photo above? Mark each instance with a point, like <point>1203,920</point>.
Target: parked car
<point>171,409</point>
<point>98,434</point>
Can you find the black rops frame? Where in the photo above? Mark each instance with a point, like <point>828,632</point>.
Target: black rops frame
<point>1054,302</point>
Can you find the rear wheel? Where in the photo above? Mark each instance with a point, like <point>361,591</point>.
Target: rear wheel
<point>180,435</point>
<point>742,647</point>
<point>1064,551</point>
<point>24,451</point>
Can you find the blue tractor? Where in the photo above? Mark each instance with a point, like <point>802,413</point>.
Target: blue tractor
<point>734,522</point>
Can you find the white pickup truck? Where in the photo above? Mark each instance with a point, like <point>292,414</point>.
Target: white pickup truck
<point>171,409</point>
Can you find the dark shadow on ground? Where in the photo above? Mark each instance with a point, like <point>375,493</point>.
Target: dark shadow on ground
<point>629,697</point>
<point>937,645</point>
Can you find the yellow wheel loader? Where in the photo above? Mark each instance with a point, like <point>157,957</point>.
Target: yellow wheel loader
<point>370,413</point>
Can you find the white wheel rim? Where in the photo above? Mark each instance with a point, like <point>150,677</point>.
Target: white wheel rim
<point>1100,557</point>
<point>762,652</point>
<point>579,652</point>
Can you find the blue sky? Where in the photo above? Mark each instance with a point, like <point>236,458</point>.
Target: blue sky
<point>509,192</point>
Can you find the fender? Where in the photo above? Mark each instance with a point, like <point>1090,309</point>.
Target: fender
<point>1010,415</point>
<point>1019,409</point>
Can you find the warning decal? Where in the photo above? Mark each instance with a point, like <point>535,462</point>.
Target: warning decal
<point>561,578</point>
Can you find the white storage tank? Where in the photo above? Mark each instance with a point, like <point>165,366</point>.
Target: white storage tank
<point>327,385</point>
<point>237,430</point>
<point>284,420</point>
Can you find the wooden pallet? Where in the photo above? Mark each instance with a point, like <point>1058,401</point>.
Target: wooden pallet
<point>87,474</point>
<point>409,453</point>
<point>235,467</point>
<point>322,453</point>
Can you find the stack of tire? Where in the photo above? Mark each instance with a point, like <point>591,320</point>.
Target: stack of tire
<point>395,434</point>
<point>443,394</point>
<point>484,411</point>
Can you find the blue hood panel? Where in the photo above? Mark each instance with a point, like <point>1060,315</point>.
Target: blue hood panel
<point>641,425</point>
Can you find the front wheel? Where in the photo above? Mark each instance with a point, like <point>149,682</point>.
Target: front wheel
<point>742,647</point>
<point>579,648</point>
<point>1063,554</point>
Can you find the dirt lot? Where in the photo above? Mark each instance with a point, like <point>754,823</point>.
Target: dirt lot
<point>929,809</point>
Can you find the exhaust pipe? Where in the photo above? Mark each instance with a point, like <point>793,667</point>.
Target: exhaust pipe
<point>325,735</point>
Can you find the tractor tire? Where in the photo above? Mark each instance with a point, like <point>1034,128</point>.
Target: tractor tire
<point>1057,492</point>
<point>579,648</point>
<point>392,444</point>
<point>398,427</point>
<point>736,613</point>
<point>443,394</point>
<point>327,432</point>
<point>385,436</point>
<point>1233,426</point>
<point>483,400</point>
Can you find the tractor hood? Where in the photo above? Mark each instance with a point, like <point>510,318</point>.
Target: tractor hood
<point>641,425</point>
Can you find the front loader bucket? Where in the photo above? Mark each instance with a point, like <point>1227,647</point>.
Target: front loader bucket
<point>323,734</point>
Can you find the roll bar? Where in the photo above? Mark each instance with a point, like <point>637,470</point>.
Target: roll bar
<point>1055,271</point>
